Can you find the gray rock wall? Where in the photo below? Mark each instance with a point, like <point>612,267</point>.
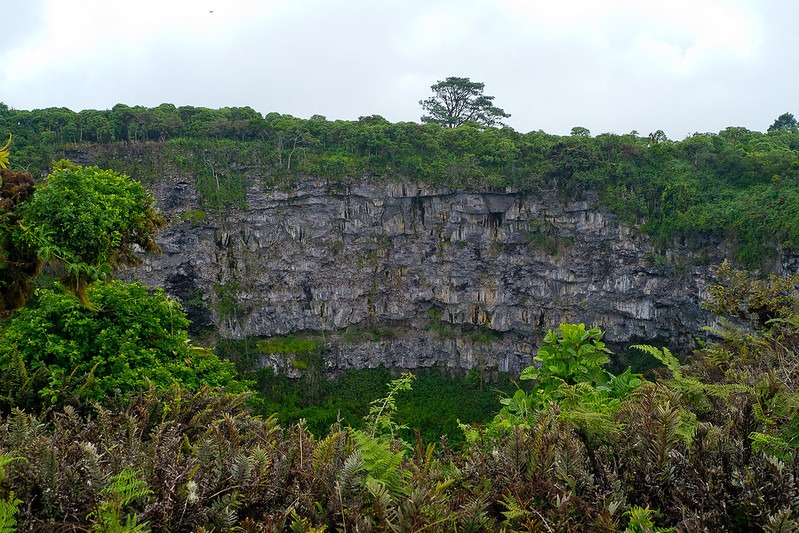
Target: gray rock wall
<point>462,279</point>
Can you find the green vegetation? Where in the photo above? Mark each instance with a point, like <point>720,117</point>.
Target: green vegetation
<point>110,420</point>
<point>195,216</point>
<point>738,185</point>
<point>86,219</point>
<point>60,351</point>
<point>4,152</point>
<point>227,301</point>
<point>458,101</point>
<point>439,399</point>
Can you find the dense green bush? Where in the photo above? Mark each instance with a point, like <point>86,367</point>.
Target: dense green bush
<point>58,350</point>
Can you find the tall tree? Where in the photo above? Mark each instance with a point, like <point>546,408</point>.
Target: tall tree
<point>456,101</point>
<point>784,122</point>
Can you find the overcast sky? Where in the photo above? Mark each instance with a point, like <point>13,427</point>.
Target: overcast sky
<point>608,65</point>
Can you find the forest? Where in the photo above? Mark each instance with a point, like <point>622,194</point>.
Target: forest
<point>113,419</point>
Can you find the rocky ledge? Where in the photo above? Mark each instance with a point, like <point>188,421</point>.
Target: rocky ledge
<point>407,276</point>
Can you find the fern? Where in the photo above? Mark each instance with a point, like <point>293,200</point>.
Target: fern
<point>10,505</point>
<point>642,520</point>
<point>381,463</point>
<point>781,522</point>
<point>325,449</point>
<point>124,489</point>
<point>303,525</point>
<point>771,445</point>
<point>384,507</point>
<point>241,469</point>
<point>664,356</point>
<point>223,511</point>
<point>515,511</point>
<point>352,465</point>
<point>8,509</point>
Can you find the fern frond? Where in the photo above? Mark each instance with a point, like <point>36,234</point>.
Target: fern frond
<point>384,507</point>
<point>514,508</point>
<point>783,521</point>
<point>382,463</point>
<point>724,391</point>
<point>8,509</point>
<point>324,450</point>
<point>771,445</point>
<point>352,465</point>
<point>241,469</point>
<point>664,356</point>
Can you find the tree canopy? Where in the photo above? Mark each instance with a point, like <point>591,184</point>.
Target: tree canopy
<point>87,219</point>
<point>457,101</point>
<point>736,185</point>
<point>784,122</point>
<point>95,339</point>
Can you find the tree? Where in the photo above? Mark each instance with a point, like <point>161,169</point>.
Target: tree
<point>784,122</point>
<point>88,220</point>
<point>457,101</point>
<point>657,137</point>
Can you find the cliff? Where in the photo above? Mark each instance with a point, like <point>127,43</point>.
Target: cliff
<point>406,276</point>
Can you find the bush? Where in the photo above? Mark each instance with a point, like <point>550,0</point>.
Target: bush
<point>60,350</point>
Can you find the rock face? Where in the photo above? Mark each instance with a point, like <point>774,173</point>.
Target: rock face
<point>406,276</point>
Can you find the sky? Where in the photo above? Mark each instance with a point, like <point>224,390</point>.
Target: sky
<point>681,66</point>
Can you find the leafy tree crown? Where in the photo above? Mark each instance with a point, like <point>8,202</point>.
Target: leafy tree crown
<point>457,101</point>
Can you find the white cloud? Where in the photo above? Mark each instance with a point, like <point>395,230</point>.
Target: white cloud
<point>609,65</point>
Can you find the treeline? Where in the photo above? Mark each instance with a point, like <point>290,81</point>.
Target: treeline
<point>736,185</point>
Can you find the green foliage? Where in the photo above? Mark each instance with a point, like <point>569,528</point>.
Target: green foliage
<point>711,443</point>
<point>755,300</point>
<point>573,354</point>
<point>195,216</point>
<point>123,490</point>
<point>380,419</point>
<point>543,236</point>
<point>570,374</point>
<point>4,153</point>
<point>380,463</point>
<point>737,185</point>
<point>648,457</point>
<point>18,264</point>
<point>89,220</point>
<point>457,101</point>
<point>9,505</point>
<point>288,345</point>
<point>8,509</point>
<point>784,122</point>
<point>134,338</point>
<point>642,521</point>
<point>227,298</point>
